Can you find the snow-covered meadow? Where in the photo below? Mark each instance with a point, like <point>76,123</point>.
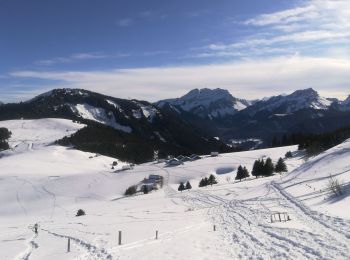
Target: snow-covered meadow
<point>46,184</point>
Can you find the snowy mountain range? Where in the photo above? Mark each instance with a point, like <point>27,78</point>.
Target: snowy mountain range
<point>231,118</point>
<point>218,103</point>
<point>206,102</point>
<point>187,124</point>
<point>132,130</point>
<point>298,100</point>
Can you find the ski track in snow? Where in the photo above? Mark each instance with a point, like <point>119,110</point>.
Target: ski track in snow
<point>31,246</point>
<point>244,226</point>
<point>91,251</point>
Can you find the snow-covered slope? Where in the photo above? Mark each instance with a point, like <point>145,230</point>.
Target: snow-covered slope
<point>30,134</point>
<point>47,185</point>
<point>208,102</point>
<point>99,115</point>
<point>310,181</point>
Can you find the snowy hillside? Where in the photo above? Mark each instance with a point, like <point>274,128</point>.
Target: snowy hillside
<point>48,184</point>
<point>29,134</point>
<point>309,182</point>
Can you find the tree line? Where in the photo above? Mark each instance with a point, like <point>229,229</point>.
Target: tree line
<point>263,168</point>
<point>313,144</point>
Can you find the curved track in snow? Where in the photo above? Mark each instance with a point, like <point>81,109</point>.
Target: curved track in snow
<point>245,227</point>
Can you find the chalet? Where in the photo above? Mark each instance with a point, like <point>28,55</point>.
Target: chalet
<point>180,157</point>
<point>183,158</point>
<point>214,154</point>
<point>194,157</point>
<point>152,182</point>
<point>173,162</point>
<point>156,178</point>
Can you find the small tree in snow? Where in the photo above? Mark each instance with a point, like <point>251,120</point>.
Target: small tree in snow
<point>258,168</point>
<point>289,154</point>
<point>130,191</point>
<point>212,180</point>
<point>80,212</point>
<point>281,166</point>
<point>242,173</point>
<point>188,185</point>
<point>268,167</point>
<point>181,187</point>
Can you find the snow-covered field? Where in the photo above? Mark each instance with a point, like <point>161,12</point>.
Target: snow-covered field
<point>47,184</point>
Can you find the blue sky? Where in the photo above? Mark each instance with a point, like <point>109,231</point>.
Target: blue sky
<point>159,49</point>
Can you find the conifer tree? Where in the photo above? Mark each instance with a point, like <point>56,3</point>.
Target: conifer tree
<point>188,185</point>
<point>256,171</point>
<point>289,154</point>
<point>281,166</point>
<point>240,173</point>
<point>246,172</point>
<point>201,183</point>
<point>268,167</point>
<point>212,180</point>
<point>181,187</point>
<point>205,181</point>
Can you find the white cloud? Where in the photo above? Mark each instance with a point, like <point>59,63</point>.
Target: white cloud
<point>246,79</point>
<point>315,23</point>
<point>71,58</point>
<point>286,16</point>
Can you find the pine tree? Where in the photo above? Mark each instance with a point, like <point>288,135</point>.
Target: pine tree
<point>240,173</point>
<point>205,181</point>
<point>181,187</point>
<point>201,183</point>
<point>268,167</point>
<point>212,180</point>
<point>188,185</point>
<point>246,172</point>
<point>257,168</point>
<point>281,166</point>
<point>289,154</point>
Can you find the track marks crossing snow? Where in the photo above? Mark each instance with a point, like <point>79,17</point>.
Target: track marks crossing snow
<point>244,226</point>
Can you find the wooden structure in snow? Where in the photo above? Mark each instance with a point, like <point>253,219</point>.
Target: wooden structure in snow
<point>279,217</point>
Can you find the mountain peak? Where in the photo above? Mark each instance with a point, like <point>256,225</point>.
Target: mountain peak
<point>310,92</point>
<point>207,102</point>
<point>207,94</point>
<point>346,101</point>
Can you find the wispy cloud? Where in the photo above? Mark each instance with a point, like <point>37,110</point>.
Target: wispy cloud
<point>72,58</point>
<point>317,22</point>
<point>248,79</point>
<point>125,22</point>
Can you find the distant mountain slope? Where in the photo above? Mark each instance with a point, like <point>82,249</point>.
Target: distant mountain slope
<point>303,111</point>
<point>208,103</point>
<point>342,105</point>
<point>131,123</point>
<point>298,100</point>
